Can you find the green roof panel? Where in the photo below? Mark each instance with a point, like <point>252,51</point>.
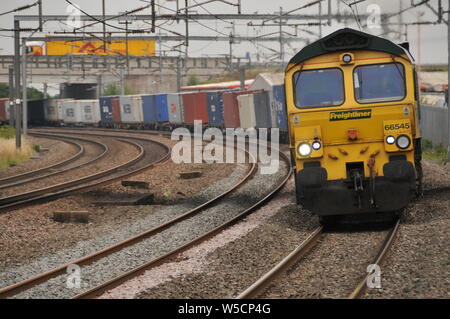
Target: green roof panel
<point>344,40</point>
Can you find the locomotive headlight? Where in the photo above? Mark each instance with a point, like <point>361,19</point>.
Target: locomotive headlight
<point>403,141</point>
<point>346,58</point>
<point>316,145</point>
<point>304,149</point>
<point>390,140</point>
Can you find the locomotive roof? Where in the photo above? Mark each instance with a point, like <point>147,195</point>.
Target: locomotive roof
<point>347,39</point>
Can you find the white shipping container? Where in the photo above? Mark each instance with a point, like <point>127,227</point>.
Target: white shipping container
<point>53,109</point>
<point>247,110</point>
<point>71,111</point>
<point>90,111</point>
<point>131,109</point>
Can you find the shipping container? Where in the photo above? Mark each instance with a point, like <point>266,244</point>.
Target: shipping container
<point>106,108</point>
<point>131,109</point>
<point>3,102</point>
<point>52,114</point>
<point>279,104</point>
<point>266,82</point>
<point>263,112</point>
<point>71,112</point>
<point>149,108</point>
<point>231,107</point>
<point>36,114</point>
<point>89,110</point>
<point>195,107</point>
<point>247,111</point>
<point>53,110</point>
<point>162,114</point>
<point>215,108</point>
<point>116,109</point>
<point>175,108</point>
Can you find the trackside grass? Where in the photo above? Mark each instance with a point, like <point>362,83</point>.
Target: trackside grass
<point>8,153</point>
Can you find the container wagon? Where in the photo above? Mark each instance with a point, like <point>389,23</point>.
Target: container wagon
<point>247,111</point>
<point>53,110</point>
<point>215,108</point>
<point>149,111</point>
<point>71,112</point>
<point>131,109</point>
<point>263,114</point>
<point>195,107</point>
<point>109,110</point>
<point>36,114</point>
<point>89,111</point>
<point>175,108</point>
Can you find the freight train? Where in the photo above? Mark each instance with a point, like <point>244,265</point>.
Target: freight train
<point>348,106</point>
<point>353,110</point>
<point>221,108</point>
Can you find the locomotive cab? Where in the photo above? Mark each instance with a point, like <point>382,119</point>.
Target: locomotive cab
<point>353,125</point>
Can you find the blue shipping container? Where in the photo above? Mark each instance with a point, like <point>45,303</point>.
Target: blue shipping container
<point>279,101</point>
<point>106,108</point>
<point>149,108</point>
<point>215,108</point>
<point>162,114</point>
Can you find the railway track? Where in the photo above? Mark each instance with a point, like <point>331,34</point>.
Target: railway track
<point>379,259</point>
<point>98,290</point>
<point>18,177</point>
<point>98,256</point>
<point>132,167</point>
<point>296,256</point>
<point>49,171</point>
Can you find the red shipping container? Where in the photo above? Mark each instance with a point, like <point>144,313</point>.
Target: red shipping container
<point>231,108</point>
<point>2,109</point>
<point>116,109</point>
<point>195,107</point>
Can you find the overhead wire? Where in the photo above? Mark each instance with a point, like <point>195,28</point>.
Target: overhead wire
<point>355,14</point>
<point>28,6</point>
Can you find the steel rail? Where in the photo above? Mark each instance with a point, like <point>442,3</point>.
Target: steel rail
<point>387,244</point>
<point>36,173</point>
<point>50,192</point>
<point>297,254</point>
<point>59,164</point>
<point>76,187</point>
<point>27,284</point>
<point>96,291</point>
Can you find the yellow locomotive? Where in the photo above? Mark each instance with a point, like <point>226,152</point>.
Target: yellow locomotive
<point>353,113</point>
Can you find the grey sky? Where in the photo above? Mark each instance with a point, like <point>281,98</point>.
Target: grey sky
<point>433,40</point>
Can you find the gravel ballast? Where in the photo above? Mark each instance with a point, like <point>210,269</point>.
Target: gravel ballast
<point>30,233</point>
<point>227,264</point>
<point>419,259</point>
<point>418,265</point>
<point>159,244</point>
